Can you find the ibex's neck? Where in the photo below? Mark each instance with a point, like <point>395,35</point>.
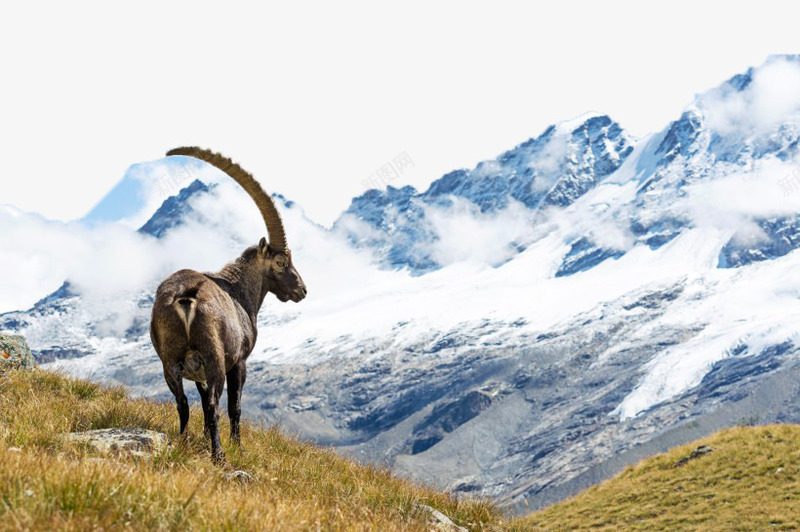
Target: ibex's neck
<point>245,282</point>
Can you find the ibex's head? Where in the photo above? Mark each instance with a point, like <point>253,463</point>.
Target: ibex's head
<point>276,259</point>
<point>283,280</point>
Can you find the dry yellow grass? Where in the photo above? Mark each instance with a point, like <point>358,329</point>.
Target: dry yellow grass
<point>47,483</point>
<point>750,481</point>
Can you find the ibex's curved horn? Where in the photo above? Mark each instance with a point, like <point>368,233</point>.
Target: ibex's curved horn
<point>272,219</point>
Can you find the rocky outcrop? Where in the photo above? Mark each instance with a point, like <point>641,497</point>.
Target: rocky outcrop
<point>15,353</point>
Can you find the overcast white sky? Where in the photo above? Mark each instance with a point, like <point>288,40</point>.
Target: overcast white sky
<point>314,97</point>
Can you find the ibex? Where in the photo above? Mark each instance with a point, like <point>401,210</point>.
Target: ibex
<point>204,324</point>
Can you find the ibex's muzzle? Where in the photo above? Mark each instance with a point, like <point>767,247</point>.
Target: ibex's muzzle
<point>299,294</point>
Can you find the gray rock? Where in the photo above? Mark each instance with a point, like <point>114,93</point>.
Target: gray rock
<point>697,453</point>
<point>134,441</point>
<point>15,353</point>
<point>240,476</point>
<point>439,520</point>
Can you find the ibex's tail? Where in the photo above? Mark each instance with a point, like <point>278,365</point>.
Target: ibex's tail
<point>185,305</point>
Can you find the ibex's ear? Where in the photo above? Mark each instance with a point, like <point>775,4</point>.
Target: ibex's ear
<point>262,246</point>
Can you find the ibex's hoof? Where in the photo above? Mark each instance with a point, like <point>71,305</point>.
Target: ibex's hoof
<point>218,458</point>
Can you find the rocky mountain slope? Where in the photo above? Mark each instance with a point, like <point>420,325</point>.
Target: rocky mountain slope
<point>520,330</point>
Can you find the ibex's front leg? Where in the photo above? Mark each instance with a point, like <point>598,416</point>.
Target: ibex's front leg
<point>236,378</point>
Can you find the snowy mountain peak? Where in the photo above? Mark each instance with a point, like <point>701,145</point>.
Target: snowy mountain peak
<point>556,168</point>
<point>173,211</point>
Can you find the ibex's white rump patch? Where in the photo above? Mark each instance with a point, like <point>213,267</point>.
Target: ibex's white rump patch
<point>185,307</point>
<point>204,324</point>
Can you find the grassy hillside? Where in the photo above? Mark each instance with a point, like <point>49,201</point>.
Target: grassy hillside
<point>750,480</point>
<point>47,483</point>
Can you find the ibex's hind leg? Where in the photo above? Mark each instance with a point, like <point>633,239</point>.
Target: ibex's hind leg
<point>215,376</point>
<point>202,388</point>
<point>236,378</point>
<point>175,382</point>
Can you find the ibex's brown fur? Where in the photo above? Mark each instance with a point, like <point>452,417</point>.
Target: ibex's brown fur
<point>204,324</point>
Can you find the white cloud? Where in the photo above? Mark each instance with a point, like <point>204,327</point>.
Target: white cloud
<point>112,266</point>
<point>487,168</point>
<point>606,227</point>
<point>549,164</point>
<point>732,202</point>
<point>350,224</point>
<point>40,254</point>
<point>553,155</point>
<point>772,97</point>
<point>466,234</point>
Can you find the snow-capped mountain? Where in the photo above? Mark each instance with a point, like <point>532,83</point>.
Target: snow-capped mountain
<point>519,330</point>
<point>553,169</point>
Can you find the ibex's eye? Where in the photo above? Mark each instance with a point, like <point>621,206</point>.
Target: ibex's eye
<point>280,261</point>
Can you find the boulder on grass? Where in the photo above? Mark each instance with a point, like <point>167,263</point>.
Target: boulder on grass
<point>15,353</point>
<point>138,442</point>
